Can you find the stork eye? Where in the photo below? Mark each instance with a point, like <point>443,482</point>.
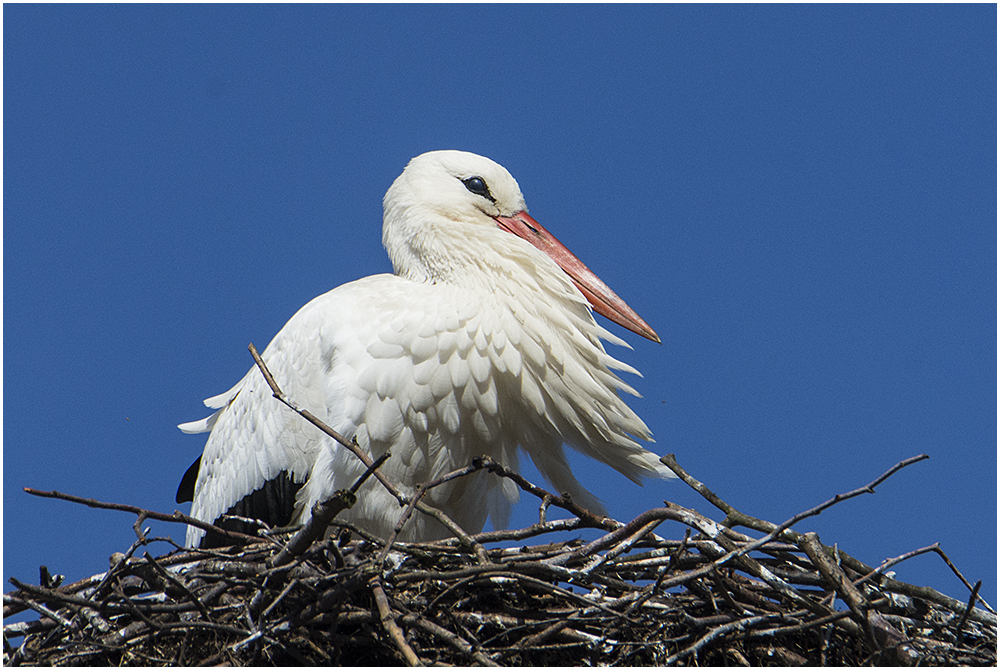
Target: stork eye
<point>478,186</point>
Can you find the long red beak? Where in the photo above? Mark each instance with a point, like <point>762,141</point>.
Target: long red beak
<point>601,298</point>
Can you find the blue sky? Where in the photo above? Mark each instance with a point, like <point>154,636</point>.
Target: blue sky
<point>800,199</point>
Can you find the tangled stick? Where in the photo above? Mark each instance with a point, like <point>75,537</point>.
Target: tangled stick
<point>629,596</point>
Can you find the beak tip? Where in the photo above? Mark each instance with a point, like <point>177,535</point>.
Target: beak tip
<point>648,333</point>
<point>602,299</point>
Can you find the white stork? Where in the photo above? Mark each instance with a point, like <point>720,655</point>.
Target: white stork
<point>481,343</point>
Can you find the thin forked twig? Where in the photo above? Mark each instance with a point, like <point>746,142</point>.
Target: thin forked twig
<point>176,517</point>
<point>736,518</point>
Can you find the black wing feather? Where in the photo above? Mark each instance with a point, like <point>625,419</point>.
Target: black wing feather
<point>273,503</point>
<point>185,492</point>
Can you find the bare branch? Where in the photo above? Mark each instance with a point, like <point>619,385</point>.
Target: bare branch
<point>176,517</point>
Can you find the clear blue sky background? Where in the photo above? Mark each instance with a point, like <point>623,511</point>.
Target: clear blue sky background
<point>800,199</point>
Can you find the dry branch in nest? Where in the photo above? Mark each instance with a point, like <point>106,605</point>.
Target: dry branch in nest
<point>518,597</point>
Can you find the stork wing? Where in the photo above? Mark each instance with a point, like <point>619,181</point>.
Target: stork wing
<point>259,452</point>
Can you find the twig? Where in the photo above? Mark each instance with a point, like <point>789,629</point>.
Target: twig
<point>885,565</point>
<point>284,592</point>
<point>546,497</point>
<point>965,615</point>
<point>405,516</point>
<point>622,546</point>
<point>940,552</point>
<point>176,517</point>
<point>45,611</point>
<point>736,518</point>
<point>389,623</point>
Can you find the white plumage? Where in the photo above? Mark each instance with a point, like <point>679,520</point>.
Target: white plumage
<point>481,343</point>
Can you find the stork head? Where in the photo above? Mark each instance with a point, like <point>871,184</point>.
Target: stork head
<point>448,209</point>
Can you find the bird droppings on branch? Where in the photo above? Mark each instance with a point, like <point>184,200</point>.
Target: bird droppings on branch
<point>515,597</point>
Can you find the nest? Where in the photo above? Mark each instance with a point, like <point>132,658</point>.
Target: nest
<point>526,597</point>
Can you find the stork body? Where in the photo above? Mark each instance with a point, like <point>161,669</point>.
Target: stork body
<point>481,343</point>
